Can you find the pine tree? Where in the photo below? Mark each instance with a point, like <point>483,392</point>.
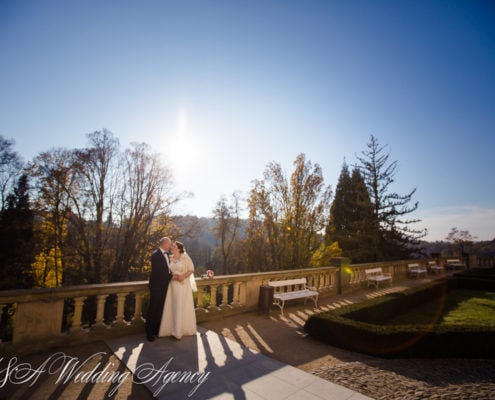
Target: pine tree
<point>395,238</point>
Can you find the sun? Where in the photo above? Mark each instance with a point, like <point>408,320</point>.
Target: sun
<point>182,146</point>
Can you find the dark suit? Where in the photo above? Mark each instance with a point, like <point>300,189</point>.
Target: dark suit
<point>159,279</point>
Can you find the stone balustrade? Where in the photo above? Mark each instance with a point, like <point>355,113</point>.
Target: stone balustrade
<point>45,317</point>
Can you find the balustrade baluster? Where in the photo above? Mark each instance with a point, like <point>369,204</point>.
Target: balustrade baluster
<point>318,281</point>
<point>119,319</point>
<point>100,310</point>
<point>324,281</point>
<point>235,300</point>
<point>138,307</point>
<point>78,307</point>
<point>200,297</point>
<point>225,295</point>
<point>313,279</point>
<point>213,298</point>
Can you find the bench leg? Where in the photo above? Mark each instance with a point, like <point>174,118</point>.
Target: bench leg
<point>280,304</point>
<point>314,298</point>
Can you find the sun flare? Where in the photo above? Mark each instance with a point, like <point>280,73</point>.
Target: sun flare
<point>182,148</point>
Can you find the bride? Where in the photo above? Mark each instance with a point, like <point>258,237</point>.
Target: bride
<point>179,316</point>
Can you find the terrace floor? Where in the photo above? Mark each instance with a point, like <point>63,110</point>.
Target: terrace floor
<point>248,356</point>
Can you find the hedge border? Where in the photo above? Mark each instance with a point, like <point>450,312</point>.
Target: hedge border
<point>350,327</point>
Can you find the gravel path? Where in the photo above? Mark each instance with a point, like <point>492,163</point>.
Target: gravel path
<point>416,378</point>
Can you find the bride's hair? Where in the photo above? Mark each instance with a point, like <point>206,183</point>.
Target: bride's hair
<point>181,247</point>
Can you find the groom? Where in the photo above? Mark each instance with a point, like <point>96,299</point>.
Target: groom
<point>159,279</point>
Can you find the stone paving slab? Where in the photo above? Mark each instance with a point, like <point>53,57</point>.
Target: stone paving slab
<point>57,375</point>
<point>211,366</point>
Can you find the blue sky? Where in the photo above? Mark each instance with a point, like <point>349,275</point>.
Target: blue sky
<point>222,88</point>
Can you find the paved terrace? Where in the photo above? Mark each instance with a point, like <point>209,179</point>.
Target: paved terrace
<point>248,356</point>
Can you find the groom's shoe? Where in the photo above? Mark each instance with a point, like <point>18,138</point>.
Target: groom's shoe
<point>150,338</point>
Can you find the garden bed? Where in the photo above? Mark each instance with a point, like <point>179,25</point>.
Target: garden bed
<point>388,327</point>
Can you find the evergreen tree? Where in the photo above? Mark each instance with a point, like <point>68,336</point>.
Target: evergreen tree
<point>395,237</point>
<point>337,229</point>
<point>352,223</point>
<point>17,246</point>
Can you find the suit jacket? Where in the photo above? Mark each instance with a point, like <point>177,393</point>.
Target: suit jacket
<point>160,272</point>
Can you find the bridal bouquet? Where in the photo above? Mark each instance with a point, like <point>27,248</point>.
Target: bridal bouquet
<point>210,274</point>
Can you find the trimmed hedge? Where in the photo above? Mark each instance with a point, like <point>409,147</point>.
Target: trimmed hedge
<point>360,327</point>
<point>476,278</point>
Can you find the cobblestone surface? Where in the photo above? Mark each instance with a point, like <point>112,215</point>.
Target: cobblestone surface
<point>413,379</point>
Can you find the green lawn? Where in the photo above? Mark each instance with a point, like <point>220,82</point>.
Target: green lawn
<point>460,307</point>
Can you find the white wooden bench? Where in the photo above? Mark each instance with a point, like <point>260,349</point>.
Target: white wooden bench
<point>454,263</point>
<point>375,275</point>
<point>416,270</point>
<point>434,267</point>
<point>291,289</point>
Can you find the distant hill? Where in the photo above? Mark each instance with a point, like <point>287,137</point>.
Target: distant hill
<point>444,248</point>
<point>197,233</point>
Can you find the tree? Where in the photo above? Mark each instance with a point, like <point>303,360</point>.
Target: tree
<point>226,230</point>
<point>322,257</point>
<point>10,168</point>
<point>460,239</point>
<point>53,178</point>
<point>96,168</point>
<point>100,211</point>
<point>395,236</point>
<point>352,223</point>
<point>287,217</point>
<point>17,247</point>
<point>144,196</point>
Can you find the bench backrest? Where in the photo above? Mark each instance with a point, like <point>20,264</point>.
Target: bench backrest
<point>454,261</point>
<point>288,283</point>
<point>374,271</point>
<point>412,266</point>
<point>432,263</point>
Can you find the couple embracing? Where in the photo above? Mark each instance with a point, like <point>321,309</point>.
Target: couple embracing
<point>171,309</point>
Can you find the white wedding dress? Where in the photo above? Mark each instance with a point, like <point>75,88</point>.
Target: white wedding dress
<point>179,316</point>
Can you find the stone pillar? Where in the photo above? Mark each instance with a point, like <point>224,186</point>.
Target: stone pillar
<point>473,261</point>
<point>2,307</point>
<point>38,321</point>
<point>340,262</point>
